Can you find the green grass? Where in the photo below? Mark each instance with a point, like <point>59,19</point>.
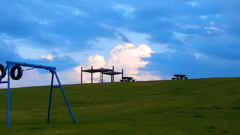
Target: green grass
<point>179,107</point>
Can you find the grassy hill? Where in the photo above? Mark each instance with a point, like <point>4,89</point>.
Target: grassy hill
<point>179,107</point>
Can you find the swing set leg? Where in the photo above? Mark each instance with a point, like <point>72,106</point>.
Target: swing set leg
<point>64,95</point>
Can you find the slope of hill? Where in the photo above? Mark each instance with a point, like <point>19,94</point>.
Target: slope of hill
<point>179,107</point>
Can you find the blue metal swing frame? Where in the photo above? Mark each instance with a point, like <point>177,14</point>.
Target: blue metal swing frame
<point>54,73</point>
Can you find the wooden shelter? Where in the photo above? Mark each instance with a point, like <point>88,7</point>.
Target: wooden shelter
<point>103,71</point>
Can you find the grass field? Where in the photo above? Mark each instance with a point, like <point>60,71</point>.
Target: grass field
<point>179,107</point>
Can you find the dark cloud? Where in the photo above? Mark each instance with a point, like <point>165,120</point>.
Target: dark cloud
<point>54,23</point>
<point>184,63</point>
<point>8,51</point>
<point>226,47</point>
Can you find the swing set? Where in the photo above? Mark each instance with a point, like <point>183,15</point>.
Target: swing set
<point>10,70</point>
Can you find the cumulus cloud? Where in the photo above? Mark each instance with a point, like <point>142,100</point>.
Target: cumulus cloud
<point>97,61</point>
<point>125,56</point>
<point>49,57</point>
<point>128,56</point>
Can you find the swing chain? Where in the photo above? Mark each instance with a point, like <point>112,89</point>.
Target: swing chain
<point>29,69</point>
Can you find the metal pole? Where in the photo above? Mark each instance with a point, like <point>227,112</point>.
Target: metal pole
<point>8,97</point>
<point>102,75</point>
<point>66,100</point>
<point>99,77</point>
<point>30,65</point>
<point>81,75</point>
<point>50,98</point>
<point>113,75</point>
<point>91,74</point>
<point>122,72</point>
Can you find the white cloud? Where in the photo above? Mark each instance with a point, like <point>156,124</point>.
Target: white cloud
<point>204,16</point>
<point>49,57</point>
<point>193,3</point>
<point>97,61</point>
<point>210,28</point>
<point>200,55</point>
<point>125,8</point>
<point>77,12</point>
<point>180,36</point>
<point>128,56</point>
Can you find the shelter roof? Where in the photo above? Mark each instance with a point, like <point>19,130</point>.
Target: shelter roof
<point>180,75</point>
<point>112,73</point>
<point>97,70</point>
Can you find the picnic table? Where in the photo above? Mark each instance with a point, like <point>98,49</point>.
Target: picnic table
<point>179,77</point>
<point>127,79</point>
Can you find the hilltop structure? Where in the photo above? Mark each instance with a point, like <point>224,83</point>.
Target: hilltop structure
<point>103,71</point>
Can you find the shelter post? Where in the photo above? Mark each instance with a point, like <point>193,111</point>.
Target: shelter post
<point>102,76</point>
<point>112,76</point>
<point>122,72</point>
<point>91,74</point>
<point>81,75</point>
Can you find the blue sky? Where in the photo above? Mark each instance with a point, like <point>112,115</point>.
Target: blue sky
<point>150,40</point>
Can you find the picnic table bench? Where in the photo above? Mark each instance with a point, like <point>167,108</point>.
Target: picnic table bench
<point>127,79</point>
<point>179,77</point>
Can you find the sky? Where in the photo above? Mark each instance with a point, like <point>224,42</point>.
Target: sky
<point>150,40</point>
